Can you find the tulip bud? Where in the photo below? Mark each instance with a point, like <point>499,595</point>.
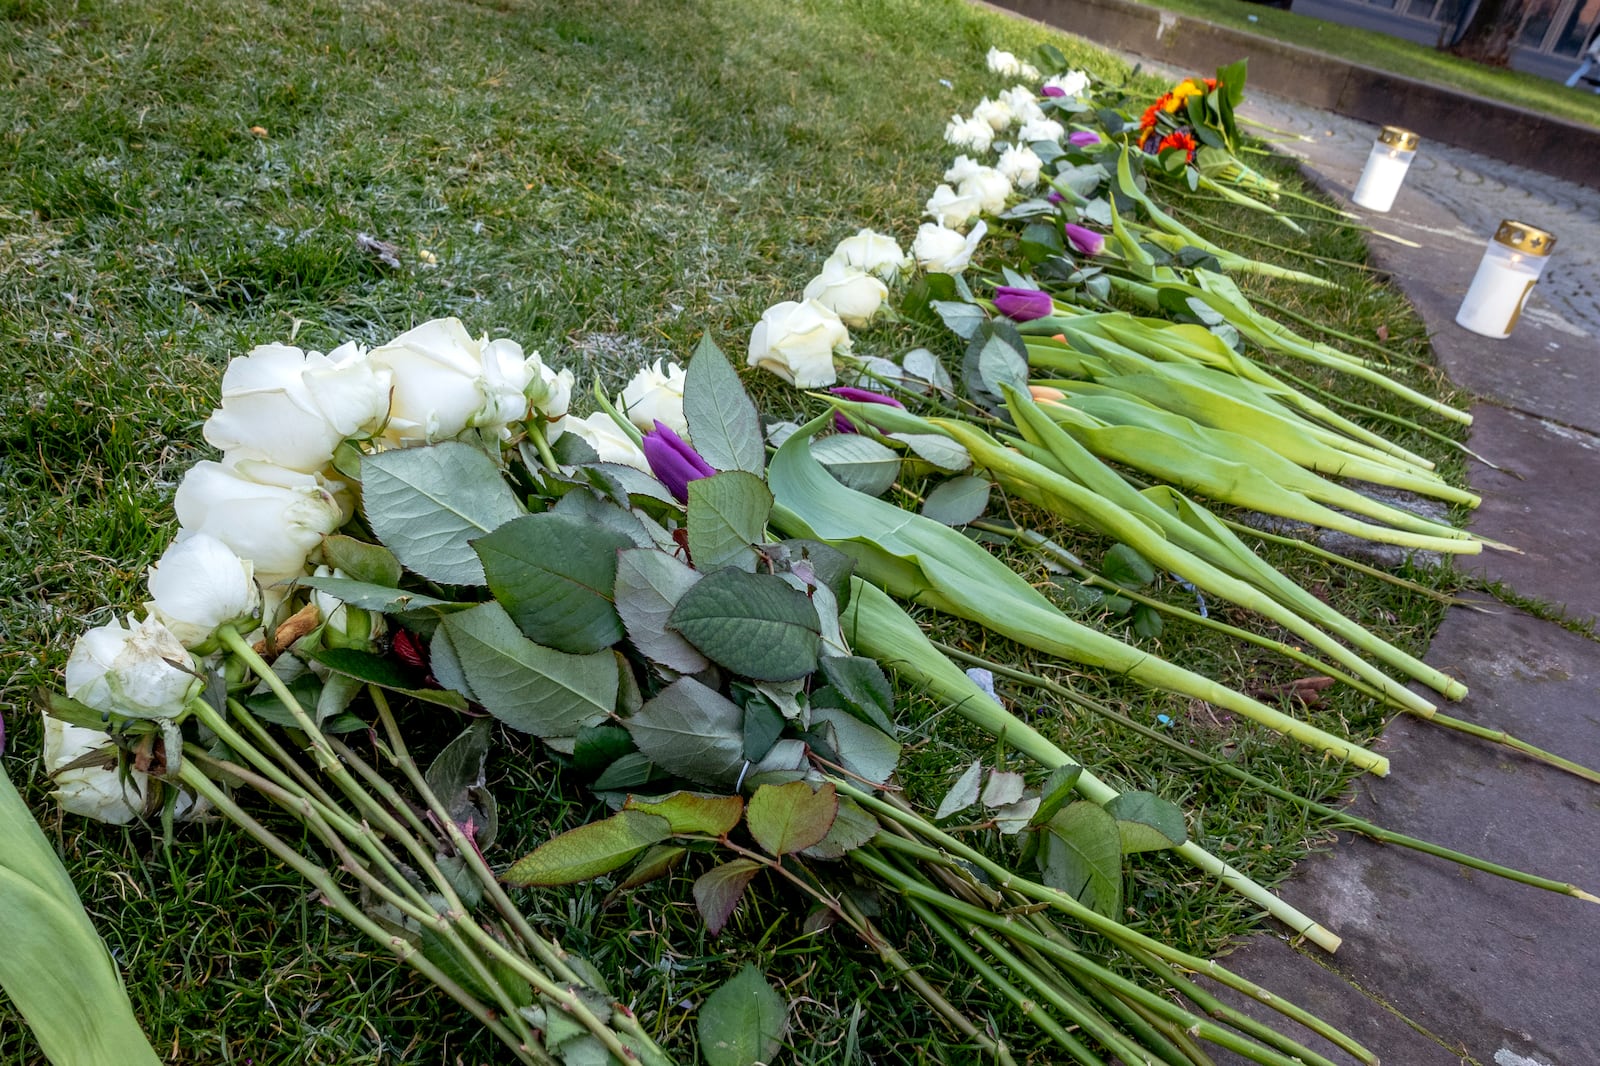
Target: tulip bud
<point>673,462</point>
<point>1023,305</point>
<point>1084,240</point>
<point>1083,138</point>
<point>1053,90</point>
<point>1045,394</point>
<point>841,422</point>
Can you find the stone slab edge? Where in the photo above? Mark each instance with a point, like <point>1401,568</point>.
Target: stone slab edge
<point>1564,149</point>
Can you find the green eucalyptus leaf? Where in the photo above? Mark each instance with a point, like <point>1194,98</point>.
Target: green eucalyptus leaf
<point>723,423</point>
<point>554,574</point>
<point>755,625</point>
<point>428,504</point>
<point>727,514</point>
<point>589,851</point>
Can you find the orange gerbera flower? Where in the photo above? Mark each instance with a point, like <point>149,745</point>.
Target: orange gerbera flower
<point>1151,113</point>
<point>1178,139</point>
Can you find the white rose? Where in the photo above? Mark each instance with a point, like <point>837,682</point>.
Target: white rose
<point>873,253</point>
<point>989,187</point>
<point>962,169</point>
<point>656,395</point>
<point>853,295</point>
<point>601,432</point>
<point>446,382</point>
<point>290,407</point>
<point>796,341</point>
<point>945,251</point>
<point>1073,83</point>
<point>509,376</point>
<point>137,671</point>
<point>1029,71</point>
<point>994,112</point>
<point>1004,63</point>
<point>1021,166</point>
<point>952,209</point>
<point>1047,129</point>
<point>98,790</point>
<point>973,133</point>
<point>271,516</point>
<point>1023,103</point>
<point>199,584</point>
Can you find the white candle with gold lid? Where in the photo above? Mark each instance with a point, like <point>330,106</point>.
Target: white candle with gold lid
<point>1515,258</point>
<point>1386,168</point>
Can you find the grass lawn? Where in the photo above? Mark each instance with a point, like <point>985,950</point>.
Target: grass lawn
<point>602,180</point>
<point>1398,56</point>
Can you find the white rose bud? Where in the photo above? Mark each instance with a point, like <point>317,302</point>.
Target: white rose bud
<point>952,209</point>
<point>1021,166</point>
<point>1003,63</point>
<point>344,626</point>
<point>851,294</point>
<point>199,584</point>
<point>973,133</point>
<point>97,791</point>
<point>138,671</point>
<point>656,395</point>
<point>271,516</point>
<point>796,341</point>
<point>1047,129</point>
<point>989,187</point>
<point>994,112</point>
<point>290,407</point>
<point>873,253</point>
<point>945,251</point>
<point>1073,83</point>
<point>1024,104</point>
<point>551,395</point>
<point>601,432</point>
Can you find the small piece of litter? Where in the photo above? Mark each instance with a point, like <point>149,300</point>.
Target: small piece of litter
<point>984,680</point>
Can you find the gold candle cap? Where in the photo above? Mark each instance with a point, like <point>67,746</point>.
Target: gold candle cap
<point>1524,238</point>
<point>1395,137</point>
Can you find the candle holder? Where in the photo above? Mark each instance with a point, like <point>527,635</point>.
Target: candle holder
<point>1386,168</point>
<point>1511,264</point>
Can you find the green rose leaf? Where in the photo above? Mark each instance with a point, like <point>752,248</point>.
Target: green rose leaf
<point>755,625</point>
<point>723,424</point>
<point>529,687</point>
<point>1057,789</point>
<point>743,1022</point>
<point>385,599</point>
<point>555,574</point>
<point>590,850</point>
<point>963,319</point>
<point>365,667</point>
<point>1081,854</point>
<point>1147,822</point>
<point>864,750</point>
<point>1127,567</point>
<point>863,688</point>
<point>727,515</point>
<point>718,891</point>
<point>656,862</point>
<point>852,828</point>
<point>958,501</point>
<point>693,812</point>
<point>362,561</point>
<point>691,731</point>
<point>936,449</point>
<point>649,585</point>
<point>428,504</point>
<point>858,462</point>
<point>789,818</point>
<point>457,776</point>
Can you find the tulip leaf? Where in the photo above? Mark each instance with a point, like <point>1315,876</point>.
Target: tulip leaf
<point>787,818</point>
<point>1147,822</point>
<point>958,501</point>
<point>589,851</point>
<point>428,504</point>
<point>649,585</point>
<point>691,731</point>
<point>858,462</point>
<point>743,1022</point>
<point>727,515</point>
<point>529,687</point>
<point>1081,854</point>
<point>717,893</point>
<point>555,575</point>
<point>693,812</point>
<point>863,749</point>
<point>723,424</point>
<point>755,625</point>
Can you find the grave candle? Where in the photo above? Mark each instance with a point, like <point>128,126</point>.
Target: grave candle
<point>1386,168</point>
<point>1511,264</point>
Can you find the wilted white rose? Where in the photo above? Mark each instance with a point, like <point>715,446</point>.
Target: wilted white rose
<point>291,407</point>
<point>873,253</point>
<point>1046,129</point>
<point>796,341</point>
<point>1073,83</point>
<point>952,209</point>
<point>1023,103</point>
<point>98,790</point>
<point>962,169</point>
<point>946,251</point>
<point>994,112</point>
<point>989,187</point>
<point>973,133</point>
<point>138,670</point>
<point>1021,166</point>
<point>1004,63</point>
<point>199,584</point>
<point>853,295</point>
<point>601,432</point>
<point>656,395</point>
<point>271,516</point>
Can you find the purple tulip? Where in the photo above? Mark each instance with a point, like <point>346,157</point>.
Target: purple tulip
<point>1053,90</point>
<point>1054,197</point>
<point>1023,305</point>
<point>673,462</point>
<point>1083,138</point>
<point>841,421</point>
<point>1084,240</point>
